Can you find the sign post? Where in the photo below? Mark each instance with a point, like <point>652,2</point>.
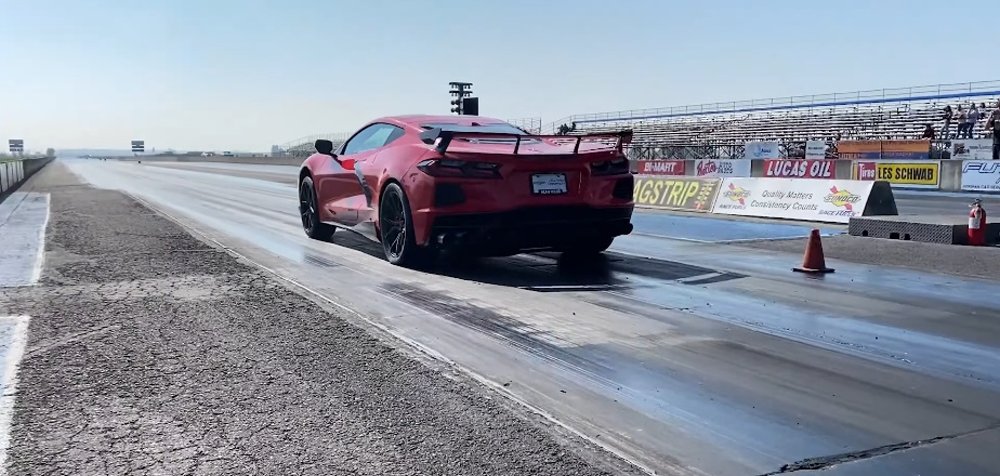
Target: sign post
<point>138,147</point>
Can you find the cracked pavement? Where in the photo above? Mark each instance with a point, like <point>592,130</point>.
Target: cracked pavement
<point>152,353</point>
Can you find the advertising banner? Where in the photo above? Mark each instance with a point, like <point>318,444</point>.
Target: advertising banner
<point>981,176</point>
<point>722,168</point>
<point>681,193</point>
<point>859,149</point>
<point>797,168</point>
<point>834,201</point>
<point>815,150</point>
<point>661,167</point>
<point>906,149</point>
<point>762,150</point>
<point>925,174</point>
<point>972,149</point>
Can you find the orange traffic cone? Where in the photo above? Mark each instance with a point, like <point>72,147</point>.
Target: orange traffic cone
<point>813,260</point>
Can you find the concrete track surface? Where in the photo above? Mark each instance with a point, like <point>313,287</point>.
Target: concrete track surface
<point>686,357</point>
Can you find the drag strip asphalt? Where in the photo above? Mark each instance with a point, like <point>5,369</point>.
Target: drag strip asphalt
<point>686,357</point>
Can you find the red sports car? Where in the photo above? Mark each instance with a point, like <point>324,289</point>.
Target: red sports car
<point>419,184</point>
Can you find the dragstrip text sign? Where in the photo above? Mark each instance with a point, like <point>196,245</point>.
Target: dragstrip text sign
<point>676,193</point>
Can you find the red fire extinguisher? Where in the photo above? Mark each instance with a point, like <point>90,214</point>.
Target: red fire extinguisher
<point>977,224</point>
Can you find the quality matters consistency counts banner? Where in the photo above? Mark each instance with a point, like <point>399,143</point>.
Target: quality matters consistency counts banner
<point>810,200</point>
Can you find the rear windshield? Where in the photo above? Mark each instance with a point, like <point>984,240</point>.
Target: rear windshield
<point>498,127</point>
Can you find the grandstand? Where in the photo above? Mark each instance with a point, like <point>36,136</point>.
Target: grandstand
<point>303,146</point>
<point>720,129</point>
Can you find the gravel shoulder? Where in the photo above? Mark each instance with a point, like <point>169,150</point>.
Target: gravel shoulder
<point>151,352</point>
<point>979,262</point>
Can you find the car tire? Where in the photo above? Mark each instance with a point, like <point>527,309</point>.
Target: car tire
<point>592,246</point>
<point>309,212</point>
<point>396,229</point>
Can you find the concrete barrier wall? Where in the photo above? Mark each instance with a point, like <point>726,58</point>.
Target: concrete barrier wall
<point>14,173</point>
<point>950,172</point>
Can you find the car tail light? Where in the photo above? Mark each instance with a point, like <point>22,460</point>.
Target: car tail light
<point>615,166</point>
<point>624,188</point>
<point>459,168</point>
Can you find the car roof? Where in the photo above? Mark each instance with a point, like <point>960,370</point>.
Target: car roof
<point>416,120</point>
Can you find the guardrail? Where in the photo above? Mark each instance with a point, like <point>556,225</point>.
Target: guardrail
<point>15,172</point>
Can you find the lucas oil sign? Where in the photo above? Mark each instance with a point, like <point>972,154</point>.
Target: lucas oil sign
<point>800,168</point>
<point>676,193</point>
<point>834,201</point>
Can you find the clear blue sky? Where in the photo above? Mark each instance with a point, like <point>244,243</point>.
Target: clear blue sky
<point>245,74</point>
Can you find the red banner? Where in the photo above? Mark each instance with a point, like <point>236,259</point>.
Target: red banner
<point>661,167</point>
<point>865,170</point>
<point>818,169</point>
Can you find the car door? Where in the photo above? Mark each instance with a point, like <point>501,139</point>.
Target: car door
<point>346,195</point>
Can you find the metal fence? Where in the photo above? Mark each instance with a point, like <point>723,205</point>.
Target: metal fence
<point>871,96</point>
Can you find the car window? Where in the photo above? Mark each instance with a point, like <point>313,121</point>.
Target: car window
<point>502,127</point>
<point>372,137</point>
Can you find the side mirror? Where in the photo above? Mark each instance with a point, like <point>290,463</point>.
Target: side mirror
<point>324,147</point>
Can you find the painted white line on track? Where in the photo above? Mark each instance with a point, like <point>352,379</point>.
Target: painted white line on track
<point>12,359</point>
<point>23,219</point>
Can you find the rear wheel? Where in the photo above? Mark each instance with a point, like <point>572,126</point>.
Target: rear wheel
<point>396,225</point>
<point>309,212</point>
<point>589,247</point>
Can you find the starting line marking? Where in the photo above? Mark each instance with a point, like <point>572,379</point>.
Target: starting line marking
<point>12,359</point>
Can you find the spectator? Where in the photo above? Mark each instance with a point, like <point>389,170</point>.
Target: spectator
<point>993,125</point>
<point>973,119</point>
<point>928,132</point>
<point>947,122</point>
<point>962,122</point>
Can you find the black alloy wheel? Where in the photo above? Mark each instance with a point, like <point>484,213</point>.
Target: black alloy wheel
<point>396,226</point>
<point>309,212</point>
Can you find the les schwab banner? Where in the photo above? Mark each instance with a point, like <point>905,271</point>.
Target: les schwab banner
<point>834,201</point>
<point>661,167</point>
<point>799,168</point>
<point>923,174</point>
<point>679,193</point>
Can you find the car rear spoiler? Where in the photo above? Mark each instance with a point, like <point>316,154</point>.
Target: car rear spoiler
<point>441,137</point>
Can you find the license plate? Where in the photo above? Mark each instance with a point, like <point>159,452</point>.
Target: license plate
<point>548,184</point>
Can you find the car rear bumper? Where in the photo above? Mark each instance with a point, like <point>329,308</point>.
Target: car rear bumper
<point>550,227</point>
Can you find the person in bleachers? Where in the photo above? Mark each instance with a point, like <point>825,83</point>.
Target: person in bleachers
<point>973,118</point>
<point>947,121</point>
<point>928,132</point>
<point>993,125</point>
<point>963,119</point>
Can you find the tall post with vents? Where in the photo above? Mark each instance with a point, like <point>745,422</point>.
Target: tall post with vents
<point>460,104</point>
